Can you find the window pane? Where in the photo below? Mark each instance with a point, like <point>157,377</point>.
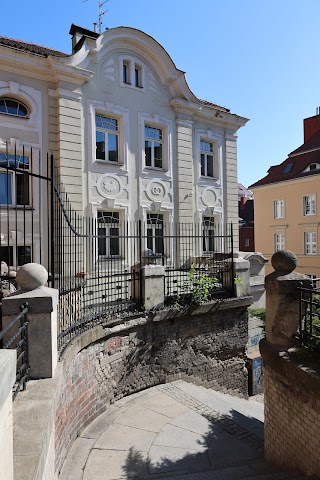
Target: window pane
<point>23,255</point>
<point>157,155</point>
<point>6,255</point>
<point>206,147</point>
<point>17,161</point>
<point>102,241</point>
<point>149,239</point>
<point>12,107</point>
<point>148,149</point>
<point>203,171</point>
<point>114,241</point>
<point>154,133</point>
<point>209,165</point>
<point>5,189</point>
<point>112,147</point>
<point>100,145</point>
<point>22,189</point>
<point>106,123</point>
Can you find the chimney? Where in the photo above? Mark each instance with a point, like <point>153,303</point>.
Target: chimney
<point>311,125</point>
<point>79,34</point>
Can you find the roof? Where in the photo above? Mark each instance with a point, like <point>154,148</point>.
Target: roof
<point>312,144</point>
<point>213,105</point>
<point>31,48</point>
<point>295,166</point>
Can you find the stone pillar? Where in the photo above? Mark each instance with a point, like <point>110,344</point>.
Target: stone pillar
<point>42,315</point>
<point>242,277</point>
<point>8,377</point>
<point>282,300</point>
<point>153,286</point>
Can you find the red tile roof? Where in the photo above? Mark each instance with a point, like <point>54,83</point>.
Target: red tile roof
<point>300,159</point>
<point>31,47</point>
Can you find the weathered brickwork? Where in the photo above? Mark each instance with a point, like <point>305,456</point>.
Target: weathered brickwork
<point>206,348</point>
<point>292,424</point>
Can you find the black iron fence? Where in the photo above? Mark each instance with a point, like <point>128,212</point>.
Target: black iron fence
<point>96,262</point>
<point>310,315</point>
<point>15,336</point>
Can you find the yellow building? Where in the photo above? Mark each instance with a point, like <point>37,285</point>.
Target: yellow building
<point>287,204</point>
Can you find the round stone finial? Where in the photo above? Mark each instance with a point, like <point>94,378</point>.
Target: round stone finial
<point>284,261</point>
<point>31,276</point>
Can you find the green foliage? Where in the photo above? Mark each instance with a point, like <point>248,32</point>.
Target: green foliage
<point>258,312</point>
<point>238,280</point>
<point>311,332</point>
<point>200,286</point>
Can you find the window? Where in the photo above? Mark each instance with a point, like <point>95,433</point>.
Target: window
<point>310,243</point>
<point>278,241</point>
<point>208,234</point>
<point>309,205</point>
<point>313,166</point>
<point>17,256</point>
<point>206,153</point>
<point>14,186</point>
<point>107,139</point>
<point>313,277</point>
<point>126,72</point>
<point>288,168</point>
<point>10,106</point>
<point>138,76</point>
<point>278,208</point>
<point>155,233</point>
<point>247,242</point>
<point>153,146</point>
<point>108,232</point>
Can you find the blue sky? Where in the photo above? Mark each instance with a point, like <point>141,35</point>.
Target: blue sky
<point>259,58</point>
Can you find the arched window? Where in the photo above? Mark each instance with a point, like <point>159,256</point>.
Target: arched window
<point>11,106</point>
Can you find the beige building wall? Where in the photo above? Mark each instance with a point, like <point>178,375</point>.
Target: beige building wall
<point>294,226</point>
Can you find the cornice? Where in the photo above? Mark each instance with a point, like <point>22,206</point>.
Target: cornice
<point>198,111</point>
<point>305,178</point>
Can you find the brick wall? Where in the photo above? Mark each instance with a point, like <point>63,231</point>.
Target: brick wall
<point>206,347</point>
<point>292,413</point>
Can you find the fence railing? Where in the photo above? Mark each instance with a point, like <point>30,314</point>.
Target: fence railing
<point>310,315</point>
<point>15,336</point>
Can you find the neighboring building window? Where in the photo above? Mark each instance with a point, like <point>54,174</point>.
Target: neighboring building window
<point>278,206</point>
<point>247,242</point>
<point>155,233</point>
<point>288,168</point>
<point>313,166</point>
<point>10,106</point>
<point>17,256</point>
<point>14,186</point>
<point>310,243</point>
<point>107,139</point>
<point>313,277</point>
<point>208,234</point>
<point>108,234</point>
<point>207,158</point>
<point>278,241</point>
<point>309,205</point>
<point>153,147</point>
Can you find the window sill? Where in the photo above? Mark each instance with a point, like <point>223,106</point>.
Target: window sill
<point>108,162</point>
<point>158,169</point>
<point>4,207</point>
<point>207,177</point>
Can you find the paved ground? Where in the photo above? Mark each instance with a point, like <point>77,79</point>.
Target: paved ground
<point>174,431</point>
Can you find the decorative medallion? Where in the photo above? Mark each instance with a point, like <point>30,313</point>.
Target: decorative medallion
<point>109,186</point>
<point>209,197</point>
<point>156,191</point>
<point>157,93</point>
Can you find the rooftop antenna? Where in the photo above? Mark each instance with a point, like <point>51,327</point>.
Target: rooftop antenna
<point>101,13</point>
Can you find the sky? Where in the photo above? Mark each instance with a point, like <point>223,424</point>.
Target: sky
<point>258,58</point>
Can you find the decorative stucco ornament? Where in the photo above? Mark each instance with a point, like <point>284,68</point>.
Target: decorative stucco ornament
<point>209,197</point>
<point>109,186</point>
<point>156,190</point>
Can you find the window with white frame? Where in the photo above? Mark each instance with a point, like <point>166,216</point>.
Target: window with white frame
<point>208,230</point>
<point>207,158</point>
<point>247,242</point>
<point>14,183</point>
<point>107,138</point>
<point>279,241</point>
<point>153,146</point>
<point>314,279</point>
<point>132,73</point>
<point>278,208</point>
<point>309,205</point>
<point>16,255</point>
<point>155,232</point>
<point>310,243</point>
<point>108,234</point>
<point>11,106</point>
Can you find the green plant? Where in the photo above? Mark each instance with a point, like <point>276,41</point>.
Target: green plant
<point>238,280</point>
<point>199,286</point>
<point>258,312</point>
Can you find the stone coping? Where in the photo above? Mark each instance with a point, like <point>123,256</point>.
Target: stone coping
<point>289,365</point>
<point>99,332</point>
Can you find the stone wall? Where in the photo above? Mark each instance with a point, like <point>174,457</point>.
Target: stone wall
<point>292,412</point>
<point>206,345</point>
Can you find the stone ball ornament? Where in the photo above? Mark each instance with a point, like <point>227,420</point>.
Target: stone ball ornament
<point>284,261</point>
<point>31,276</point>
